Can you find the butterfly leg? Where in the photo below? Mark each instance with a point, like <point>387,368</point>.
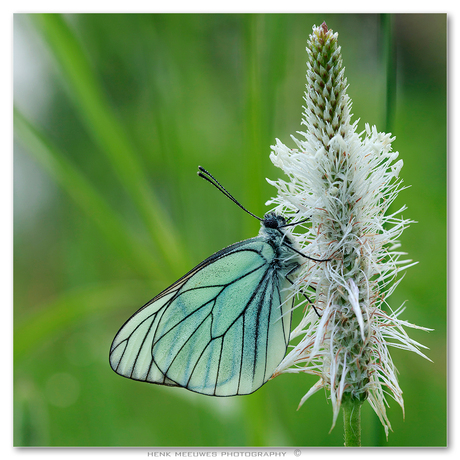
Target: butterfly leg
<point>303,293</point>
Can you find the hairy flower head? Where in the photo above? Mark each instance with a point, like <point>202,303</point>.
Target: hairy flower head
<point>343,183</point>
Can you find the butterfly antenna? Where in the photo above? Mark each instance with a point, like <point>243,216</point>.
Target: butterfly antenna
<point>295,250</point>
<point>294,223</point>
<point>211,179</point>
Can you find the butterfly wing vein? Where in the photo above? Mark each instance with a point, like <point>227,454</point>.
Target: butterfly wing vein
<point>220,330</point>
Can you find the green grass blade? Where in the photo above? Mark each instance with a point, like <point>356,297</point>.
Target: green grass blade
<point>389,58</point>
<point>107,131</point>
<point>70,308</point>
<point>254,116</point>
<point>87,197</point>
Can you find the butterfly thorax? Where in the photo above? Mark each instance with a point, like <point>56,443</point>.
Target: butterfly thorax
<point>286,249</point>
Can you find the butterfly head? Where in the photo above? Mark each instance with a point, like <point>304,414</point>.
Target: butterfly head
<point>272,228</point>
<point>272,220</point>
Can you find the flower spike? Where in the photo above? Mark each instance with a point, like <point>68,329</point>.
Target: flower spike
<point>343,184</point>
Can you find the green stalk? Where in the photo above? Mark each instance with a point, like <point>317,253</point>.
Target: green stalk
<point>352,421</point>
<point>389,61</point>
<point>254,112</point>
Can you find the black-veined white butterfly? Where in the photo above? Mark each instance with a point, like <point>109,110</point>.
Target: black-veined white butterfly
<point>223,328</point>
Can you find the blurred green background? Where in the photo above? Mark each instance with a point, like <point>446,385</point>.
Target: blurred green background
<point>113,115</point>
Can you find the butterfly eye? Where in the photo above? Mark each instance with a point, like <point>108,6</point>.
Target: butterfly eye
<point>272,220</point>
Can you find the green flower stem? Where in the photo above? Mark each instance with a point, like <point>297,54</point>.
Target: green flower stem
<point>352,421</point>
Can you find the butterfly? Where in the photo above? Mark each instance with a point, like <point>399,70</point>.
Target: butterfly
<point>224,327</point>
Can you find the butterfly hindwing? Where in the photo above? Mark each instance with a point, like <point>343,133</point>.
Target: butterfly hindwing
<point>220,330</point>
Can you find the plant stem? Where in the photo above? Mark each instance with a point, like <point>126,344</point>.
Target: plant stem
<point>352,422</point>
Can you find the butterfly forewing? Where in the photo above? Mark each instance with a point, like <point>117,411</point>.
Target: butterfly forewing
<point>221,330</point>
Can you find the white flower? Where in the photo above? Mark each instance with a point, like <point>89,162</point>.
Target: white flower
<point>343,183</point>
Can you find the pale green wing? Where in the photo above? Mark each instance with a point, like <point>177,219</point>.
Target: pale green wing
<point>220,330</point>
